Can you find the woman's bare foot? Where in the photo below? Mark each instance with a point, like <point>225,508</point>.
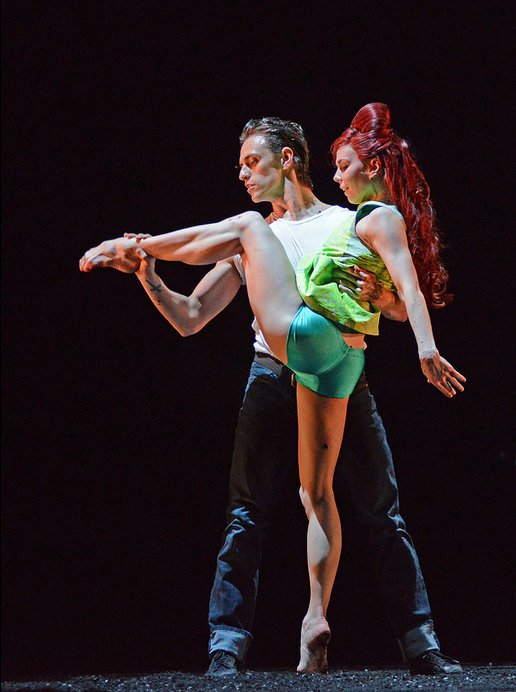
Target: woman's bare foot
<point>315,635</point>
<point>119,253</point>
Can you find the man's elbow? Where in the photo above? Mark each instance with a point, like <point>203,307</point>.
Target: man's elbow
<point>398,309</point>
<point>191,322</point>
<point>397,312</point>
<point>189,329</point>
<point>394,316</point>
<point>193,326</point>
<point>186,331</point>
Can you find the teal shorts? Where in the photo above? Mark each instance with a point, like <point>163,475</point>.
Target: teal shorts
<point>320,358</point>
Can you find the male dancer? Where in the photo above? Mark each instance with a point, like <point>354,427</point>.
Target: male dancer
<point>274,166</point>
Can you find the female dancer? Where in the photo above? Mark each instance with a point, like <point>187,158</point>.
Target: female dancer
<point>325,354</point>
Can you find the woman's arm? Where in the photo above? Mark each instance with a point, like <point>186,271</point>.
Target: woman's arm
<point>385,232</point>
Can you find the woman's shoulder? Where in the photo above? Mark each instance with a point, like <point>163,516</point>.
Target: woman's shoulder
<point>373,212</point>
<point>383,222</point>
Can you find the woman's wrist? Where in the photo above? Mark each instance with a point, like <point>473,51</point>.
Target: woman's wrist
<point>428,353</point>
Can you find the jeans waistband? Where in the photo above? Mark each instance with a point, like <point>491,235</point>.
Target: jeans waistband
<point>277,367</point>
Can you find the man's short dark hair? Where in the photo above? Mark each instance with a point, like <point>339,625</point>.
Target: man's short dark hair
<point>282,133</point>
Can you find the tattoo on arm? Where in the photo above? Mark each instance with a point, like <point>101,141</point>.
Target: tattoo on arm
<point>154,288</point>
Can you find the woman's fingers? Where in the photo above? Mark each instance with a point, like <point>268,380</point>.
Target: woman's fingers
<point>442,375</point>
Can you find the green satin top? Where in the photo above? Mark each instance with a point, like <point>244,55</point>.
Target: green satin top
<point>318,275</point>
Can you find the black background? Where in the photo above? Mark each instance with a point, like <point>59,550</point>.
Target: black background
<point>117,432</point>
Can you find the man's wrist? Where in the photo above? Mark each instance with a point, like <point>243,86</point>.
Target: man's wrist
<point>385,300</point>
<point>145,272</point>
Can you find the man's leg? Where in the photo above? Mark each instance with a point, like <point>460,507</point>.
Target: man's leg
<point>263,456</point>
<point>372,492</point>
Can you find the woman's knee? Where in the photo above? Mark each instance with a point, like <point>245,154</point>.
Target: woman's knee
<point>250,227</point>
<point>248,221</point>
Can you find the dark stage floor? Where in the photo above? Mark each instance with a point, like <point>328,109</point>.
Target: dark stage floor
<point>474,677</point>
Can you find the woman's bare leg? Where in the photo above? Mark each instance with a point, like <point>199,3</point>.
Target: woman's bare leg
<point>271,283</point>
<point>321,423</point>
<point>270,278</point>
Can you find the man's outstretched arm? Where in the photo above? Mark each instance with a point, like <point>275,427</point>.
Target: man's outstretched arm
<point>189,314</point>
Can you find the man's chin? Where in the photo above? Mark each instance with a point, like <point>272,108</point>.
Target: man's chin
<point>256,197</point>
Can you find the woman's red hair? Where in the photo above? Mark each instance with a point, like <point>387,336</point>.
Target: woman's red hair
<point>371,135</point>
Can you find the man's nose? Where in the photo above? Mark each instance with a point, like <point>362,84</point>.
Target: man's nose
<point>338,176</point>
<point>244,173</point>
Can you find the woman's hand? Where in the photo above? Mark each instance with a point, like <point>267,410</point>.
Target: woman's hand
<point>441,374</point>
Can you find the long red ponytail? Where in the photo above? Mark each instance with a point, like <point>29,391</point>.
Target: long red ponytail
<point>371,135</point>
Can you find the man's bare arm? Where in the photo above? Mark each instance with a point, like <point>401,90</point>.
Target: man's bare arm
<point>189,314</point>
<point>390,305</point>
<point>364,284</point>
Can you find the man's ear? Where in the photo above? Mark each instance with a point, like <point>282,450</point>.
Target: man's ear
<point>374,167</point>
<point>286,157</point>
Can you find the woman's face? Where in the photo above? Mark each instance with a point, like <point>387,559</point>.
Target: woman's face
<point>353,176</point>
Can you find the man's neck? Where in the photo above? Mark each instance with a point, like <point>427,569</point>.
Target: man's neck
<point>297,203</point>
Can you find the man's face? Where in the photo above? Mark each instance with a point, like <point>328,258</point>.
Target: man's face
<point>260,170</point>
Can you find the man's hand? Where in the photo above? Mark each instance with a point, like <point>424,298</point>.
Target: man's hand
<point>119,253</point>
<point>441,374</point>
<point>362,285</point>
<point>147,262</point>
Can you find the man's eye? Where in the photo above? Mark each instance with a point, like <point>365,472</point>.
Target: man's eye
<point>247,164</point>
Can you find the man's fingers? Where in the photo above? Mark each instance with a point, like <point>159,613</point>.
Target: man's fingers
<point>137,236</point>
<point>345,289</point>
<point>356,271</point>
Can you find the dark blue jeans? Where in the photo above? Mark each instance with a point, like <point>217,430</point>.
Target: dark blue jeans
<point>265,444</point>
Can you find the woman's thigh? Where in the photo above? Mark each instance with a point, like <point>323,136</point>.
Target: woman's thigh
<point>271,283</point>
